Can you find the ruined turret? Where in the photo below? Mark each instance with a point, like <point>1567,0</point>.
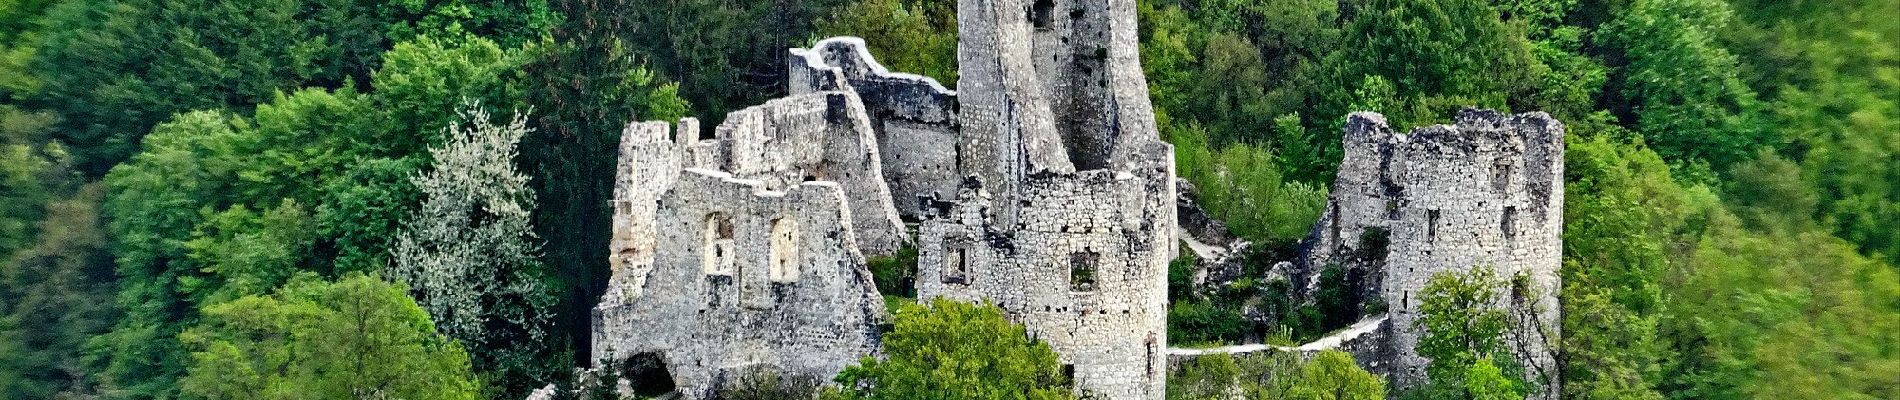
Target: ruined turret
<point>1066,217</point>
<point>1486,191</point>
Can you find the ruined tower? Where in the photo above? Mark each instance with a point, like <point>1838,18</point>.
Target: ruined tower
<point>1486,191</point>
<point>1066,217</point>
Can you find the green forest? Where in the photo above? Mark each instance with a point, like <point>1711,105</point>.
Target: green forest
<point>272,198</point>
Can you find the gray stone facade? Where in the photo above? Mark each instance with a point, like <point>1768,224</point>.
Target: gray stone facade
<point>716,273</point>
<point>1041,184</point>
<point>1486,191</point>
<point>914,118</point>
<point>1066,219</point>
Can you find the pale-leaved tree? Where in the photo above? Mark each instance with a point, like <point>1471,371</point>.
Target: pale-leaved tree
<point>469,254</point>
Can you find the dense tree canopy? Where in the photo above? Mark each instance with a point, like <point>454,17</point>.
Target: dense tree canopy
<point>358,337</point>
<point>468,253</point>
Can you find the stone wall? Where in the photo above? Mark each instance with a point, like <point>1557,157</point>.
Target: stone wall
<point>913,116</point>
<point>1084,268</point>
<point>1486,191</point>
<point>746,277</point>
<point>1066,217</point>
<point>824,136</point>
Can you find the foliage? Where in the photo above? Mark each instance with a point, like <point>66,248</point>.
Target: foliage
<point>1780,315</point>
<point>1438,54</point>
<point>422,80</point>
<point>1201,322</point>
<point>1338,299</point>
<point>56,290</point>
<point>912,36</point>
<point>1464,327</point>
<point>355,338</point>
<point>1243,186</point>
<point>1181,275</point>
<point>1828,73</point>
<point>742,65</point>
<point>1332,375</point>
<point>1328,375</point>
<point>1484,381</point>
<point>585,82</point>
<point>361,210</point>
<point>1682,85</point>
<point>1209,377</point>
<point>947,349</point>
<point>469,253</point>
<point>30,169</point>
<point>1623,219</point>
<point>896,274</point>
<point>512,23</point>
<point>114,69</point>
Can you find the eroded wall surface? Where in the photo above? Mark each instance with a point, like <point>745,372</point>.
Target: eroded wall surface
<point>747,251</point>
<point>1085,270</point>
<point>1486,191</point>
<point>913,116</point>
<point>744,277</point>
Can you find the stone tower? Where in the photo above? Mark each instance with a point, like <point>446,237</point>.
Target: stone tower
<point>1065,217</point>
<point>1486,191</point>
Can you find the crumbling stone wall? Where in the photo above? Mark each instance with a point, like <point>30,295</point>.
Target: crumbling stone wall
<point>913,117</point>
<point>1084,269</point>
<point>1043,184</point>
<point>746,277</point>
<point>815,137</point>
<point>742,251</point>
<point>1485,191</point>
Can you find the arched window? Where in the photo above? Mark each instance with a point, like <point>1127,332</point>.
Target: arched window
<point>784,262</point>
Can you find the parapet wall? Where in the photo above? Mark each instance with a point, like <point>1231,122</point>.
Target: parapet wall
<point>745,277</point>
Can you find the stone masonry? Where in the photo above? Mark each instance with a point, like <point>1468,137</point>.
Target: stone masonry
<point>1066,217</point>
<point>1486,191</point>
<point>1041,186</point>
<point>730,253</point>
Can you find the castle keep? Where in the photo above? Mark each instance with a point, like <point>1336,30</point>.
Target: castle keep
<point>1041,186</point>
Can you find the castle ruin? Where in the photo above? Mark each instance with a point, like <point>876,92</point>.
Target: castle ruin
<point>1039,185</point>
<point>1486,191</point>
<point>1483,192</point>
